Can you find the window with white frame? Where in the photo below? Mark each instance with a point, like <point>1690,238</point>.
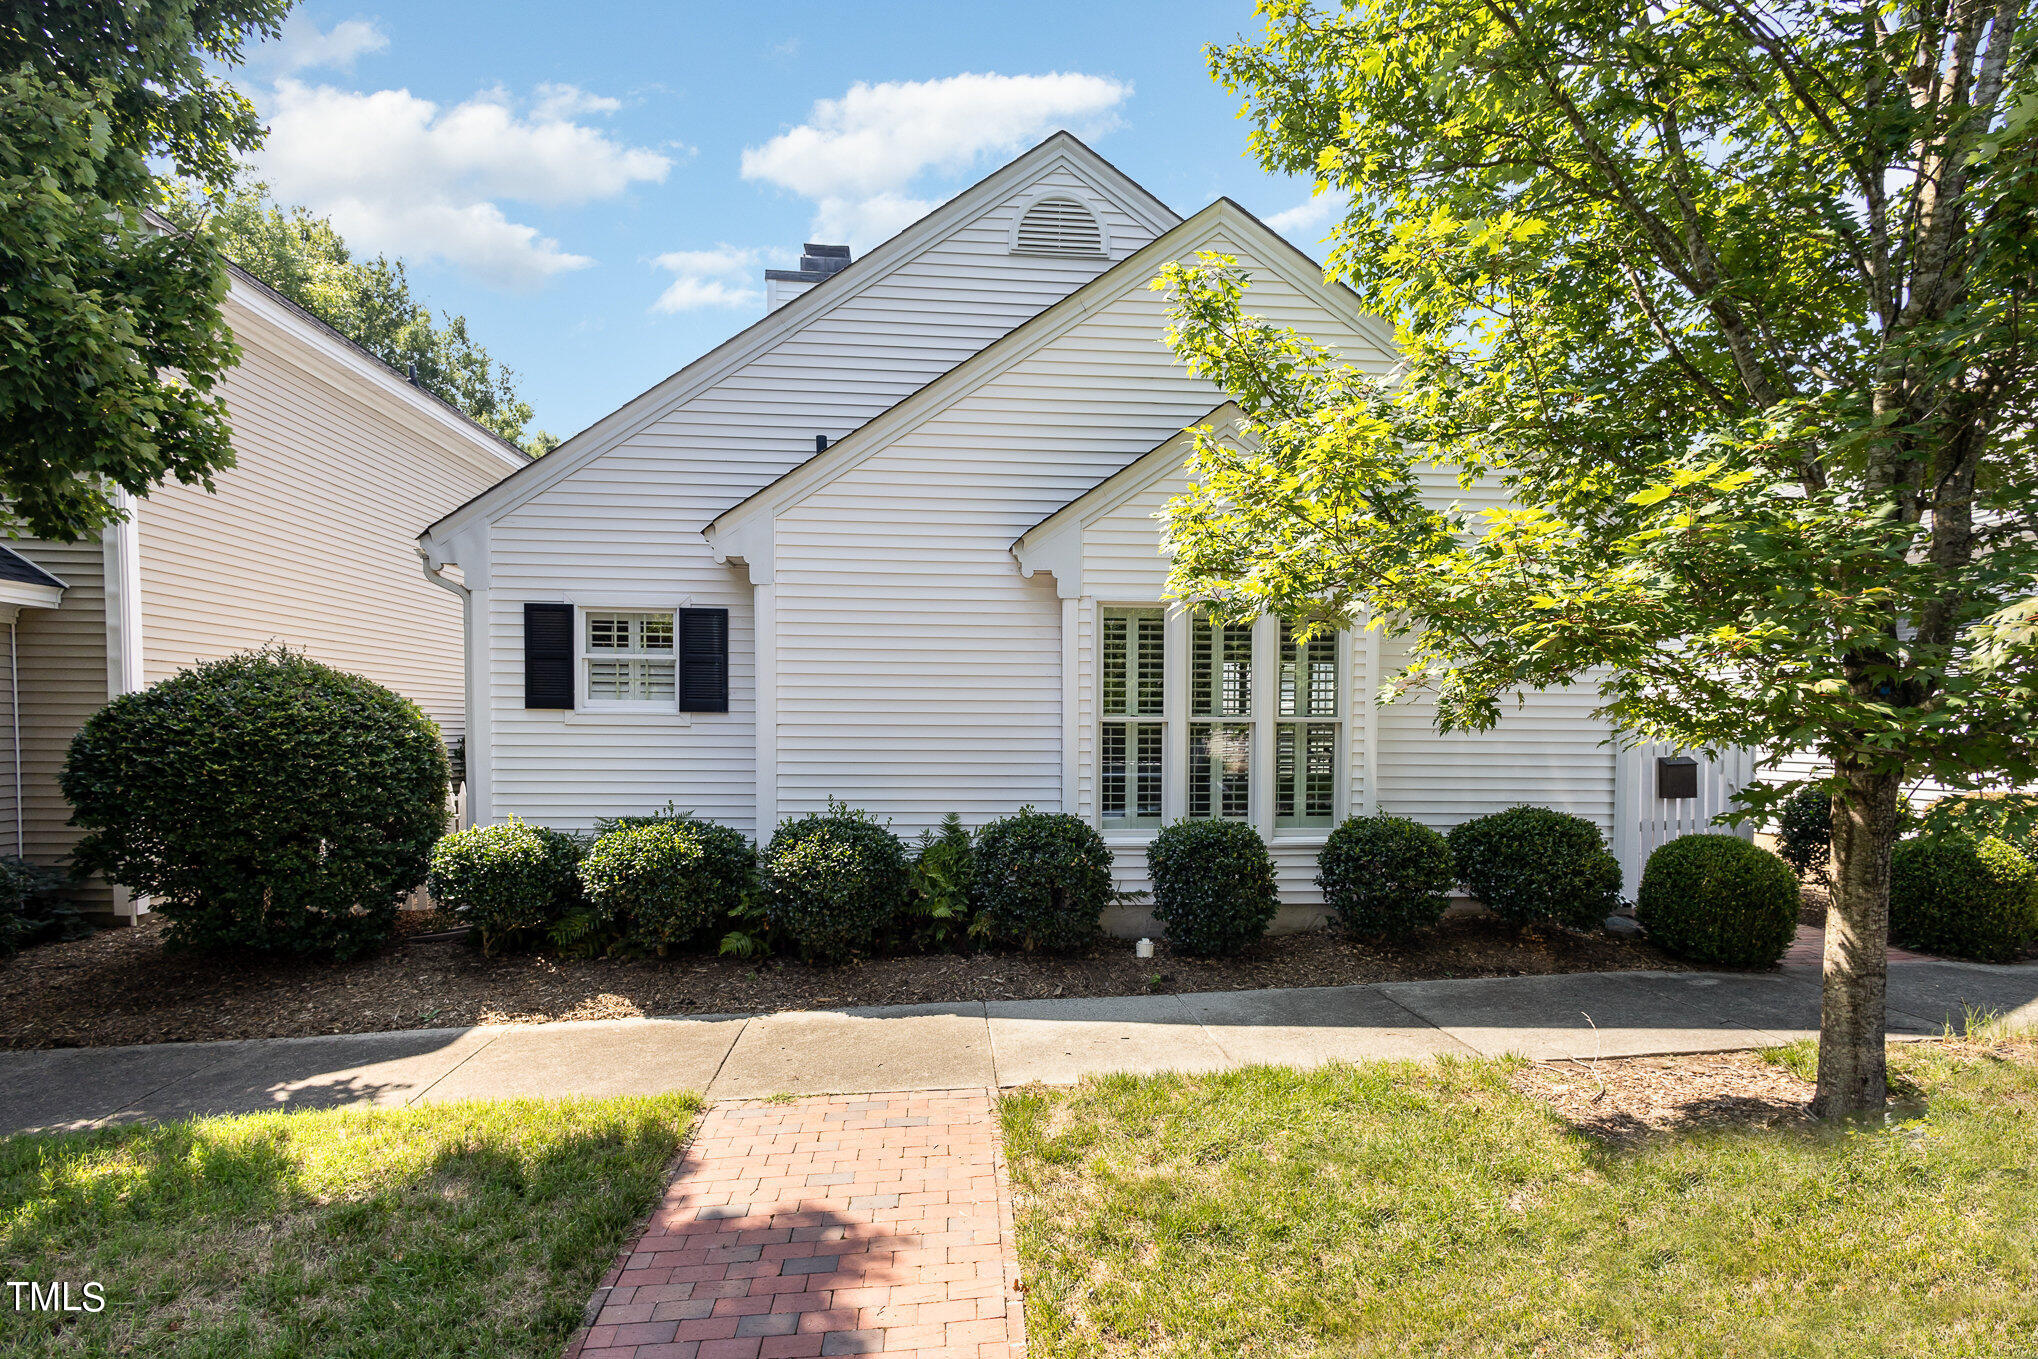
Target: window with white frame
<point>1220,720</point>
<point>1257,732</point>
<point>1306,733</point>
<point>628,658</point>
<point>1132,736</point>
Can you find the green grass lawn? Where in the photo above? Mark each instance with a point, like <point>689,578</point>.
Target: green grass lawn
<point>1409,1209</point>
<point>463,1229</point>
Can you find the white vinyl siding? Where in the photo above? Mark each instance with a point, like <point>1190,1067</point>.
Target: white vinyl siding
<point>1547,751</point>
<point>635,514</point>
<point>309,540</point>
<point>918,668</point>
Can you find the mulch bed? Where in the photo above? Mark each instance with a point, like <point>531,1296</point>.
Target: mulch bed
<point>120,986</point>
<point>1628,1100</point>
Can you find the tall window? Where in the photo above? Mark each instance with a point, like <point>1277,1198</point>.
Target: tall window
<point>1306,737</point>
<point>1220,720</point>
<point>1133,736</point>
<point>629,658</point>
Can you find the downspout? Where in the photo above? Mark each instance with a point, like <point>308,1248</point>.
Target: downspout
<point>435,575</point>
<point>14,712</point>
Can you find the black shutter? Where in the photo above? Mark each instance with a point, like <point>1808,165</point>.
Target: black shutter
<point>704,660</point>
<point>548,655</point>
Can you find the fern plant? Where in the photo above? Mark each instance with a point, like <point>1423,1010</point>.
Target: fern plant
<point>938,916</point>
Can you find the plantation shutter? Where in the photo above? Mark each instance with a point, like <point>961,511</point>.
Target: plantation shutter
<point>548,655</point>
<point>704,660</point>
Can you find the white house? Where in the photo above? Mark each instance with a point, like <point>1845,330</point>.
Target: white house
<point>895,544</point>
<point>306,541</point>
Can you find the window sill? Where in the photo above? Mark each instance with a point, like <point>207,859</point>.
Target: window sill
<point>645,715</point>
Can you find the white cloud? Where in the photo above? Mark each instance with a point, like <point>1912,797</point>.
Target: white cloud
<point>859,155</point>
<point>1309,221</point>
<point>556,101</point>
<point>401,174</point>
<point>303,46</point>
<point>722,277</point>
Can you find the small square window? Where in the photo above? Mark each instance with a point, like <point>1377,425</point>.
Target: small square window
<point>629,659</point>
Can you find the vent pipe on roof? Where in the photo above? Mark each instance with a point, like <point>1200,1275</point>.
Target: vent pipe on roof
<point>820,443</point>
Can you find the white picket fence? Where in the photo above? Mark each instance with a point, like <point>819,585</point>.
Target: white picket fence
<point>1643,820</point>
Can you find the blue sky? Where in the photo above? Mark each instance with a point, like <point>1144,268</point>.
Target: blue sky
<point>599,188</point>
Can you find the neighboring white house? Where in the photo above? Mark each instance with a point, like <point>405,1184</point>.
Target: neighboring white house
<point>307,541</point>
<point>895,544</point>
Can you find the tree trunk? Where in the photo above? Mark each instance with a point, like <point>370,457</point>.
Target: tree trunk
<point>1853,1077</point>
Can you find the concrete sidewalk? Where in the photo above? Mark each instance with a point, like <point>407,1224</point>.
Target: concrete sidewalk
<point>980,1044</point>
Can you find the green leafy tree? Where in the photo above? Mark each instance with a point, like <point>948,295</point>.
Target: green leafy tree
<point>110,333</point>
<point>299,254</point>
<point>1730,301</point>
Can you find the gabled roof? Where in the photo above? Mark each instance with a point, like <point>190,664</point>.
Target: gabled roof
<point>1024,339</point>
<point>1166,456</point>
<point>775,325</point>
<point>250,290</point>
<point>385,374</point>
<point>1055,544</point>
<point>22,582</point>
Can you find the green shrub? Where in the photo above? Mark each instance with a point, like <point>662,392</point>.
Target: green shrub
<point>833,881</point>
<point>265,802</point>
<point>1718,899</point>
<point>938,915</point>
<point>1213,886</point>
<point>663,881</point>
<point>1532,865</point>
<point>1385,876</point>
<point>1042,880</point>
<point>511,882</point>
<point>32,906</point>
<point>1963,897</point>
<point>1804,832</point>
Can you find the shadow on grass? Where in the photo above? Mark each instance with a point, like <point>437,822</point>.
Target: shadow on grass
<point>461,1229</point>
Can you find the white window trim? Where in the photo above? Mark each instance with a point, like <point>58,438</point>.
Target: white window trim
<point>584,701</point>
<point>1264,720</point>
<point>1133,826</point>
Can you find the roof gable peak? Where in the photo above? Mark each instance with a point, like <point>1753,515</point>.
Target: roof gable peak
<point>1060,150</point>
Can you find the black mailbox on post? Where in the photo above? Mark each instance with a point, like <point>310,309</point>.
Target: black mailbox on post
<point>1676,777</point>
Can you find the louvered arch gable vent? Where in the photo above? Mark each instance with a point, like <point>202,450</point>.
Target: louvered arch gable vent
<point>1059,226</point>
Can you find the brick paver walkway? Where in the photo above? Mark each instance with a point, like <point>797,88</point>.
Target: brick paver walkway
<point>1809,950</point>
<point>850,1224</point>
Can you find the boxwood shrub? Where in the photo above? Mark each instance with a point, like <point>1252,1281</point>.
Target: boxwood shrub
<point>1718,899</point>
<point>1213,886</point>
<point>1385,876</point>
<point>512,882</point>
<point>32,906</point>
<point>1964,897</point>
<point>265,802</point>
<point>832,881</point>
<point>1041,880</point>
<point>661,882</point>
<point>1533,865</point>
<point>1804,832</point>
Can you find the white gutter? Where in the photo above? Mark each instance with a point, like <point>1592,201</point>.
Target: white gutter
<point>466,598</point>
